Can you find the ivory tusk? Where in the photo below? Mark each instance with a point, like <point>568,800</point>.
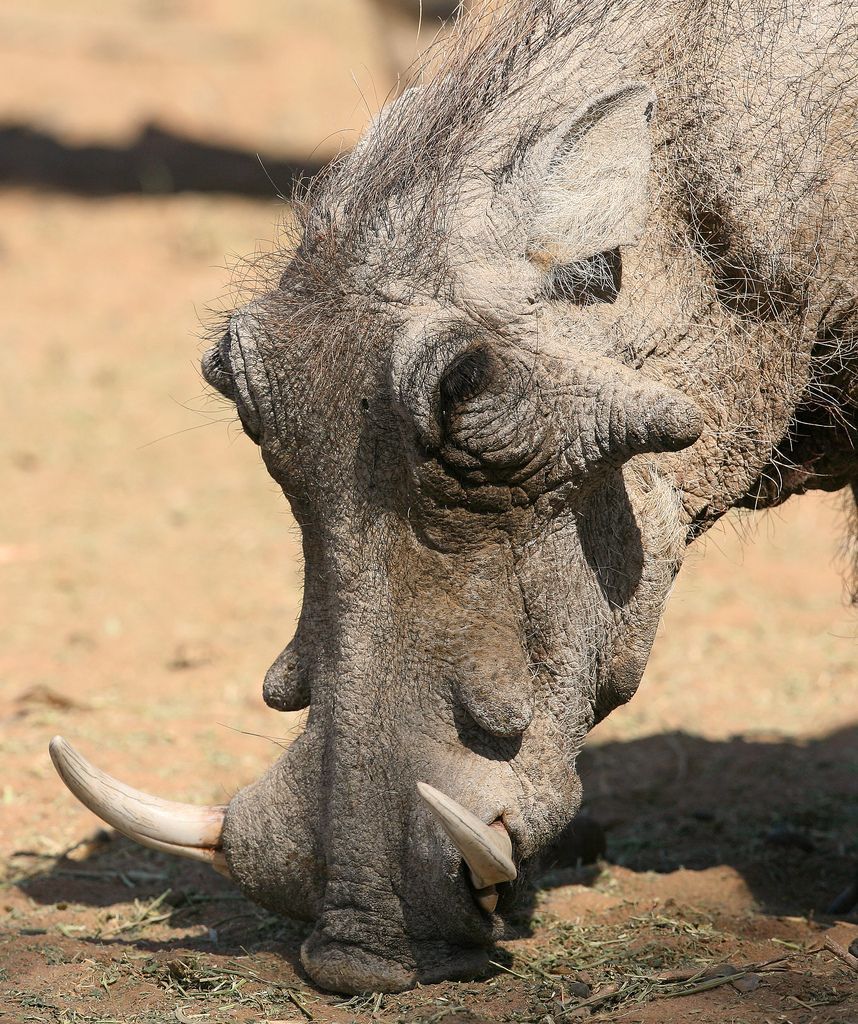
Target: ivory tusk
<point>487,851</point>
<point>182,829</point>
<point>488,899</point>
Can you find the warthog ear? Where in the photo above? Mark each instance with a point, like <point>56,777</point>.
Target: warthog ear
<point>587,179</point>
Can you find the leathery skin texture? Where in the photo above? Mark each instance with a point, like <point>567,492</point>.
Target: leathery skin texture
<point>563,306</point>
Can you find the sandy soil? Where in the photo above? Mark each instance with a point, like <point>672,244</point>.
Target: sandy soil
<point>150,572</point>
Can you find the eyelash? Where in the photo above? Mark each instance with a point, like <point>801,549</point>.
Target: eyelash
<point>594,279</point>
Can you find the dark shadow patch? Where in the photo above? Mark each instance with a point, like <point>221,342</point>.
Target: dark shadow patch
<point>783,813</point>
<point>138,887</point>
<point>611,541</point>
<point>157,162</point>
<point>749,281</point>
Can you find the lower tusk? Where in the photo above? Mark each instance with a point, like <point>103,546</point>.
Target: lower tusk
<point>213,856</point>
<point>486,850</point>
<point>488,899</point>
<point>181,829</point>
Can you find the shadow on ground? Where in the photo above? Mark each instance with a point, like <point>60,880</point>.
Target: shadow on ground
<point>157,162</point>
<point>783,814</point>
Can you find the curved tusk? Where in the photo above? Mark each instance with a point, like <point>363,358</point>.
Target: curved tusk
<point>488,899</point>
<point>486,850</point>
<point>181,829</point>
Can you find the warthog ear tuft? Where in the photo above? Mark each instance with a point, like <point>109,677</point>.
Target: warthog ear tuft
<point>588,178</point>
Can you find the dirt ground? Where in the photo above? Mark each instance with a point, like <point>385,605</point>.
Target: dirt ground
<point>150,572</point>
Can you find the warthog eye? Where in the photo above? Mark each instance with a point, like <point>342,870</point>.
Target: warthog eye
<point>585,282</point>
<point>487,430</point>
<point>465,378</point>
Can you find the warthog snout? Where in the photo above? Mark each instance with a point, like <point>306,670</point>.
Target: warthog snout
<point>401,887</point>
<point>227,366</point>
<point>414,833</point>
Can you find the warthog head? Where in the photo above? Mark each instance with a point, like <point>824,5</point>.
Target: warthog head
<point>447,385</point>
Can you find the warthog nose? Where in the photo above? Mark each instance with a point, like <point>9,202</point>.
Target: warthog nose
<point>217,370</point>
<point>342,966</point>
<point>230,366</point>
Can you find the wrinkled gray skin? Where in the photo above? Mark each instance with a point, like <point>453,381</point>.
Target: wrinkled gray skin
<point>497,445</point>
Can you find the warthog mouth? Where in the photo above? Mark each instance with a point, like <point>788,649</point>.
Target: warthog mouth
<point>186,830</point>
<point>485,849</point>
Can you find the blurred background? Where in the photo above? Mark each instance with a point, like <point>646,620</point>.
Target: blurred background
<point>149,569</point>
<point>166,96</point>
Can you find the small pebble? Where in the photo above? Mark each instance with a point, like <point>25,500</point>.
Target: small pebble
<point>747,983</point>
<point>719,971</point>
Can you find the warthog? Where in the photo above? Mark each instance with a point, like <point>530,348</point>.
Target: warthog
<point>562,308</point>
